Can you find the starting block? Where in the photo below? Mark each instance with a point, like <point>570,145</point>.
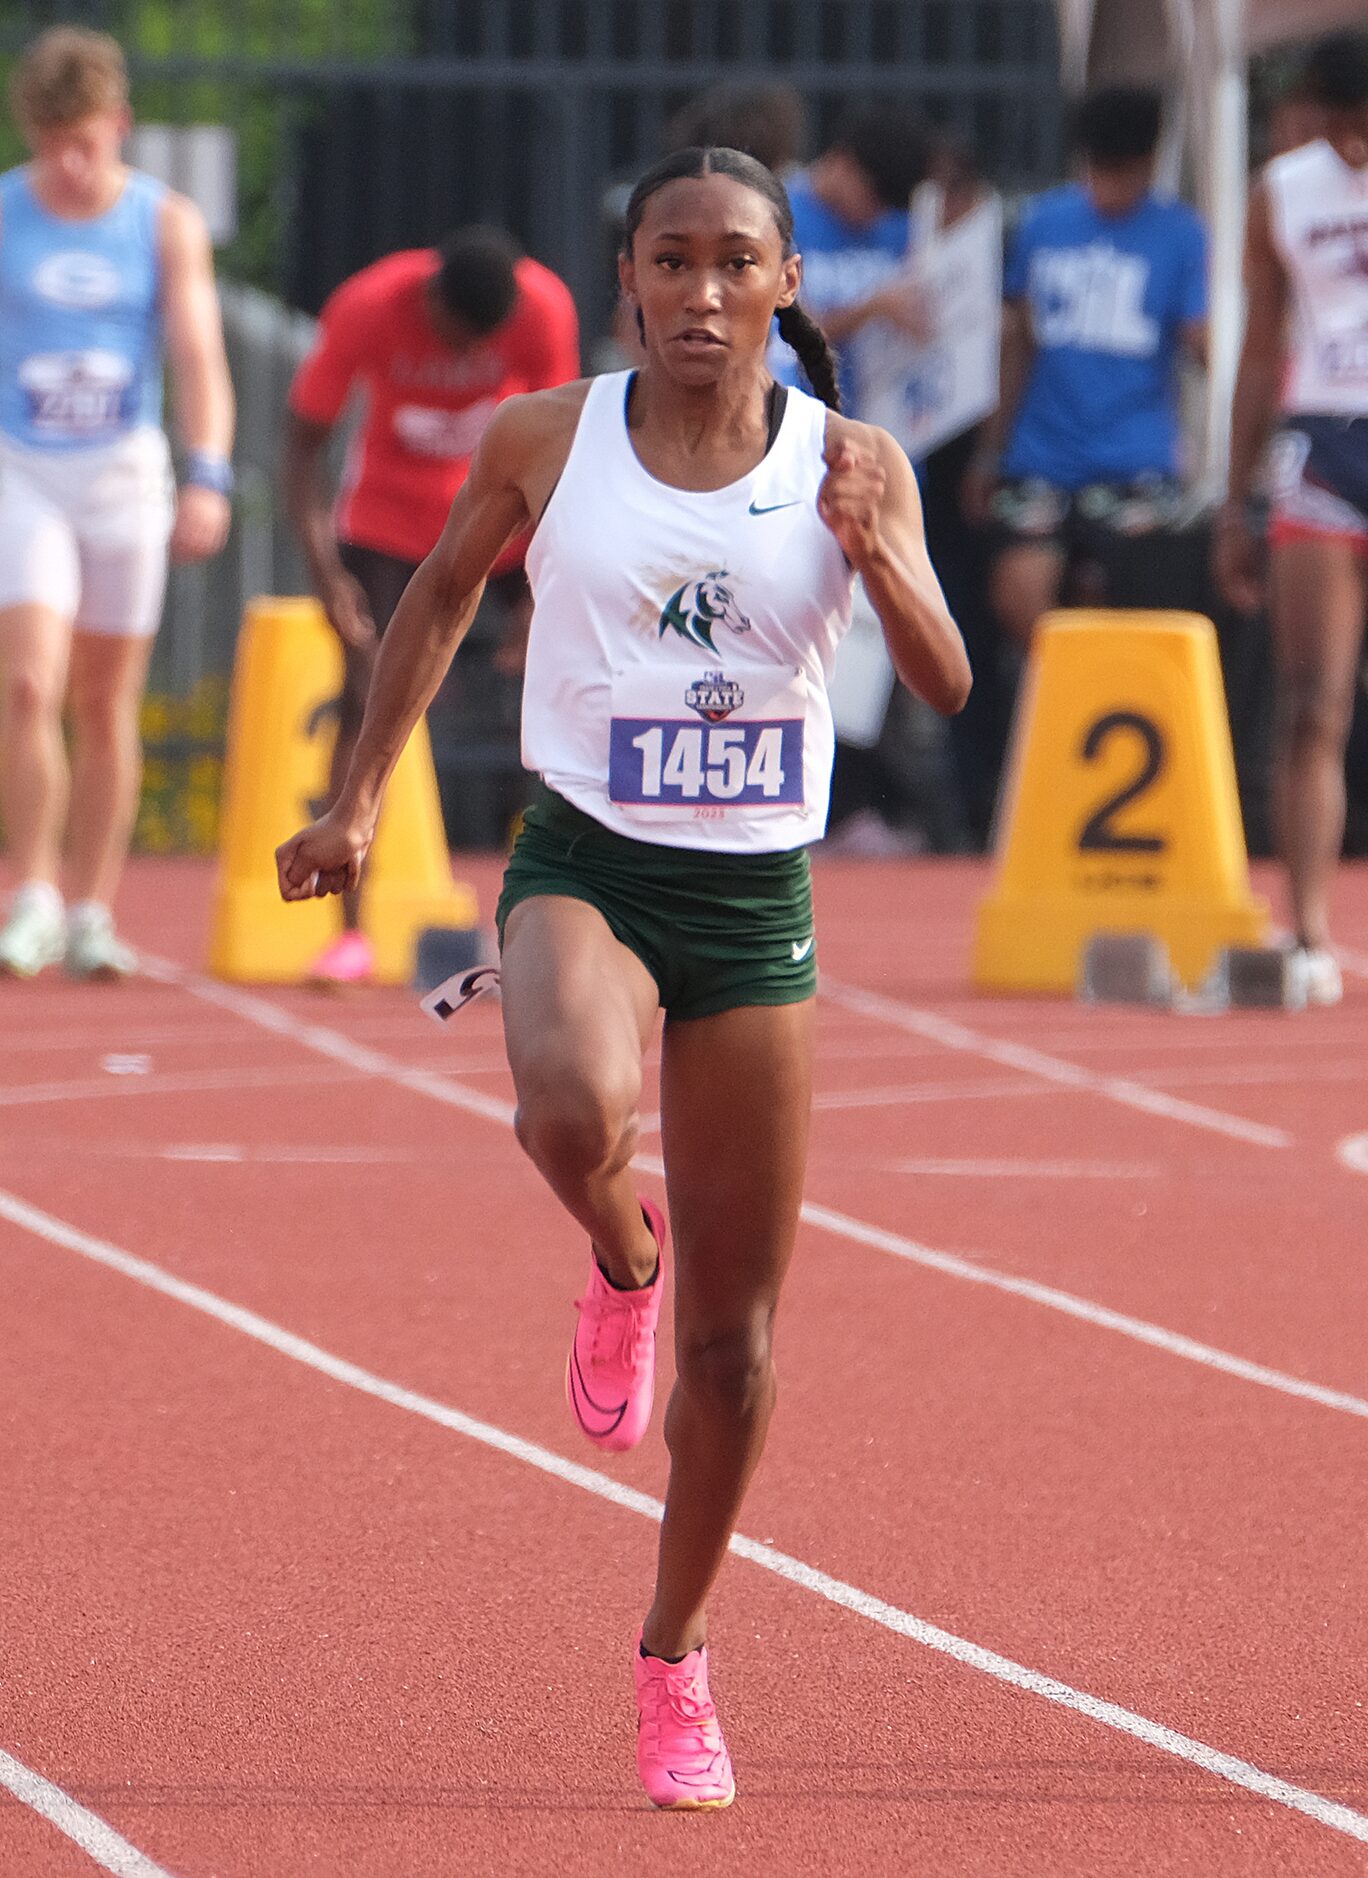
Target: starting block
<point>1120,813</point>
<point>286,680</point>
<point>1127,968</point>
<point>1261,978</point>
<point>445,950</point>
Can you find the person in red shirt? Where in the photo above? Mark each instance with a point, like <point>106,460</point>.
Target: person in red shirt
<point>435,340</point>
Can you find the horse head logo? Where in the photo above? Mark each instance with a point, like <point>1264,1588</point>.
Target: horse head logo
<point>699,606</point>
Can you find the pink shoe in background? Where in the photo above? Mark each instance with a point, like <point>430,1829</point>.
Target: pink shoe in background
<point>610,1372</point>
<point>681,1756</point>
<point>349,960</point>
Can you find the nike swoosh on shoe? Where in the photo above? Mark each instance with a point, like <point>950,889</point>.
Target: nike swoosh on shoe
<point>581,1397</point>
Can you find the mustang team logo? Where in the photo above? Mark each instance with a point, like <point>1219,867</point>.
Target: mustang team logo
<point>714,697</point>
<point>694,609</point>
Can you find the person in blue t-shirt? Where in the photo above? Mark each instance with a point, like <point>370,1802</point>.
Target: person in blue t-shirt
<point>850,224</point>
<point>1105,288</point>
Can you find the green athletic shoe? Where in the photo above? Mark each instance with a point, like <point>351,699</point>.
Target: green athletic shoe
<point>34,935</point>
<point>94,949</point>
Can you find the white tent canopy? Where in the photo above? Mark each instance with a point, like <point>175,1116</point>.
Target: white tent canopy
<point>1199,48</point>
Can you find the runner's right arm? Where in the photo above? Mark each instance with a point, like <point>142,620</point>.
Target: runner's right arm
<point>1257,385</point>
<point>512,473</point>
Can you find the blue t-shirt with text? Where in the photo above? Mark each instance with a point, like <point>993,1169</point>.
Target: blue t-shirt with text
<point>1107,299</point>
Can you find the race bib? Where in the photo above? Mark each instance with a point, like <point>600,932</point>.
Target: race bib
<point>711,741</point>
<point>79,397</point>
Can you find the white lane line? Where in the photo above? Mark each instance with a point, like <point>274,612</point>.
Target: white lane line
<point>276,1018</point>
<point>1028,1170</point>
<point>95,1838</point>
<point>1054,1069</point>
<point>1137,1328</point>
<point>132,1036</point>
<point>1228,1767</point>
<point>1352,1153</point>
<point>893,1095</point>
<point>329,1043</point>
<point>168,1082</point>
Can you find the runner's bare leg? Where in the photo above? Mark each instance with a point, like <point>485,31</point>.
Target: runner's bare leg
<point>578,1010</point>
<point>35,647</point>
<point>735,1100</point>
<point>1319,596</point>
<point>108,674</point>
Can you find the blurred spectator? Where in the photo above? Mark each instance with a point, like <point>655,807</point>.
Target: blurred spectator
<point>103,270</point>
<point>1306,255</point>
<point>1296,118</point>
<point>768,122</point>
<point>852,227</point>
<point>435,339</point>
<point>977,737</point>
<point>1105,288</point>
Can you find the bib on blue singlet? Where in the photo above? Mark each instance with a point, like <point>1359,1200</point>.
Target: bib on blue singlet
<point>79,397</point>
<point>711,739</point>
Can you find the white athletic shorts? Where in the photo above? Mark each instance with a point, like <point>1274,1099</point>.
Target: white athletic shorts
<point>85,531</point>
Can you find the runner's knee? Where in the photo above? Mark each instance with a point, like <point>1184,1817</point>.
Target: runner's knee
<point>1314,712</point>
<point>104,717</point>
<point>575,1125</point>
<point>730,1371</point>
<point>30,695</point>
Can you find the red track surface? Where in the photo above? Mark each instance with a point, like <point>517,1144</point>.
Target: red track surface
<point>265,1625</point>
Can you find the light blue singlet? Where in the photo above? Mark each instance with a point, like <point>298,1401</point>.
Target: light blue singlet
<point>80,318</point>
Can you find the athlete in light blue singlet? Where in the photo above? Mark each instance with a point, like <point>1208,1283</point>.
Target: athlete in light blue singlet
<point>80,317</point>
<point>101,269</point>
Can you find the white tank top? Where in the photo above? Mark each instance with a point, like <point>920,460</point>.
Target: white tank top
<point>1320,226</point>
<point>681,641</point>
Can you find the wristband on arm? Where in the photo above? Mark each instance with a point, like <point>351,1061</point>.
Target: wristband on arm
<point>206,469</point>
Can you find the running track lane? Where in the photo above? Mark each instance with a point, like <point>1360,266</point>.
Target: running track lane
<point>311,1674</point>
<point>799,1484</point>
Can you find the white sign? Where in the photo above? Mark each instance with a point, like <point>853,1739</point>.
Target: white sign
<point>198,159</point>
<point>925,393</point>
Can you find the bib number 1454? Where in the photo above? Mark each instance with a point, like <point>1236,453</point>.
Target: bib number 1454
<point>748,764</point>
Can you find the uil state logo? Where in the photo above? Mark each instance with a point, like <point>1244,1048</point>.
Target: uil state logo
<point>696,608</point>
<point>714,697</point>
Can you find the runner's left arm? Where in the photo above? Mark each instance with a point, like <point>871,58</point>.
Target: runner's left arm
<point>201,389</point>
<point>869,501</point>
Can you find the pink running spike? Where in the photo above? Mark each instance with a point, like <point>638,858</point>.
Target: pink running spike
<point>681,1756</point>
<point>349,960</point>
<point>610,1372</point>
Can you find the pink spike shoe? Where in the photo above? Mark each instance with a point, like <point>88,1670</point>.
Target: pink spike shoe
<point>681,1756</point>
<point>610,1372</point>
<point>349,960</point>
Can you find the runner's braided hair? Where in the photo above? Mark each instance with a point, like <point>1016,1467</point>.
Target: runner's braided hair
<point>798,328</point>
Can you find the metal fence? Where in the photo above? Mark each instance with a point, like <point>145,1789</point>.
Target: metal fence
<point>367,125</point>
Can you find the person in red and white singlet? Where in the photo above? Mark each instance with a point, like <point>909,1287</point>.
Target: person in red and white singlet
<point>1307,269</point>
<point>434,340</point>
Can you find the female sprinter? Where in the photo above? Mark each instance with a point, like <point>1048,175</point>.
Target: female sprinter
<point>697,535</point>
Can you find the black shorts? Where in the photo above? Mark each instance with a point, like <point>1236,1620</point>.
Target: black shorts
<point>1084,522</point>
<point>1319,476</point>
<point>382,578</point>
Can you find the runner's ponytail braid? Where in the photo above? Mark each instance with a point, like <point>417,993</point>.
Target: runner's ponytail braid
<point>799,330</point>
